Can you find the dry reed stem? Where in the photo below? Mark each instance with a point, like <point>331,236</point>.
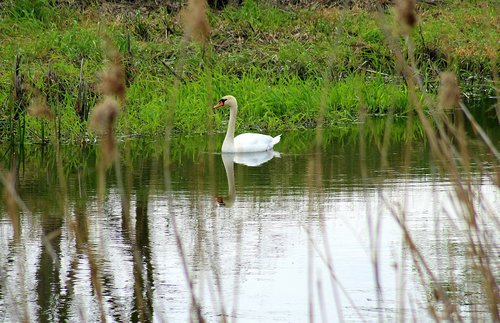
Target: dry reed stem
<point>195,304</point>
<point>145,314</point>
<point>419,262</point>
<point>80,228</point>
<point>331,271</point>
<point>321,299</point>
<point>480,131</point>
<point>103,119</point>
<point>318,170</point>
<point>310,250</point>
<point>195,21</point>
<point>444,150</point>
<point>373,230</point>
<point>13,204</point>
<point>24,208</point>
<point>495,61</point>
<point>449,92</point>
<point>314,180</point>
<point>113,84</point>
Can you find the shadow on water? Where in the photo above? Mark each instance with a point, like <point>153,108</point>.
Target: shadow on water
<point>248,259</point>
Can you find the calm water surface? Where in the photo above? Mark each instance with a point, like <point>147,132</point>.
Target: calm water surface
<point>266,238</point>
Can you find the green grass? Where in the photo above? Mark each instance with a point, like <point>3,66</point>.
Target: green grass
<point>274,60</point>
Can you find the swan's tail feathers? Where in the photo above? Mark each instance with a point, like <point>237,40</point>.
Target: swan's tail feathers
<point>276,139</point>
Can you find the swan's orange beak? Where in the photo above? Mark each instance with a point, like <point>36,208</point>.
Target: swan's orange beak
<point>218,105</point>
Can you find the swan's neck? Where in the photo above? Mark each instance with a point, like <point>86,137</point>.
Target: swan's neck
<point>228,144</point>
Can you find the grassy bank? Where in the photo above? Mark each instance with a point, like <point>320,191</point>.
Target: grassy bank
<point>282,63</point>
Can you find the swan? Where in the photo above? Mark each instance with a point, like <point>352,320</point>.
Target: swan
<point>246,142</point>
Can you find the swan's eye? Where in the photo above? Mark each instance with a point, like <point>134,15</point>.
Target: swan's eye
<point>222,101</point>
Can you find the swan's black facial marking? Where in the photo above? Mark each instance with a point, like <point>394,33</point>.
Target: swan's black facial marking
<point>221,103</point>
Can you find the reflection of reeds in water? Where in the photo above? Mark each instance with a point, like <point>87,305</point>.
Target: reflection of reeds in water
<point>10,203</point>
<point>103,119</point>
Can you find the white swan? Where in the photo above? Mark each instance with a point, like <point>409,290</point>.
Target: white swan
<point>246,142</point>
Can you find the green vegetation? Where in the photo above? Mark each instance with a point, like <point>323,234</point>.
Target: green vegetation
<point>276,61</point>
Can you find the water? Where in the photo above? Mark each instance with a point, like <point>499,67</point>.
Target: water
<point>265,237</point>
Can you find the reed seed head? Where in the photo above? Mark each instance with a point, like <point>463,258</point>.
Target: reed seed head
<point>406,14</point>
<point>104,115</point>
<point>113,75</point>
<point>449,92</point>
<point>102,121</point>
<point>113,81</point>
<point>195,21</point>
<point>39,108</point>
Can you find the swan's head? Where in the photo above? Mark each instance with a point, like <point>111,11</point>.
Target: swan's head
<point>226,101</point>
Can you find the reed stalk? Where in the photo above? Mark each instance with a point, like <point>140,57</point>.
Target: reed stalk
<point>445,150</point>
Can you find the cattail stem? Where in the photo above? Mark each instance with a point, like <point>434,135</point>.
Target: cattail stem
<point>480,131</point>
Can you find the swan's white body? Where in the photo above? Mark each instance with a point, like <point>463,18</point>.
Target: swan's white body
<point>246,142</point>
<point>250,142</point>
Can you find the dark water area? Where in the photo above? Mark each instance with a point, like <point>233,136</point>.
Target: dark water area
<point>270,237</point>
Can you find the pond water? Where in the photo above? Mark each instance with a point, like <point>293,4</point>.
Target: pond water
<point>293,236</point>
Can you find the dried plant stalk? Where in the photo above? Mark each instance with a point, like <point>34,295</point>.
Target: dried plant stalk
<point>445,150</point>
<point>449,92</point>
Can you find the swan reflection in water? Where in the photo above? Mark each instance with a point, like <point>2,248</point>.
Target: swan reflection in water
<point>252,159</point>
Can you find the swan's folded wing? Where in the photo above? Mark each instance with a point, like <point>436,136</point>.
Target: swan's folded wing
<point>250,142</point>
